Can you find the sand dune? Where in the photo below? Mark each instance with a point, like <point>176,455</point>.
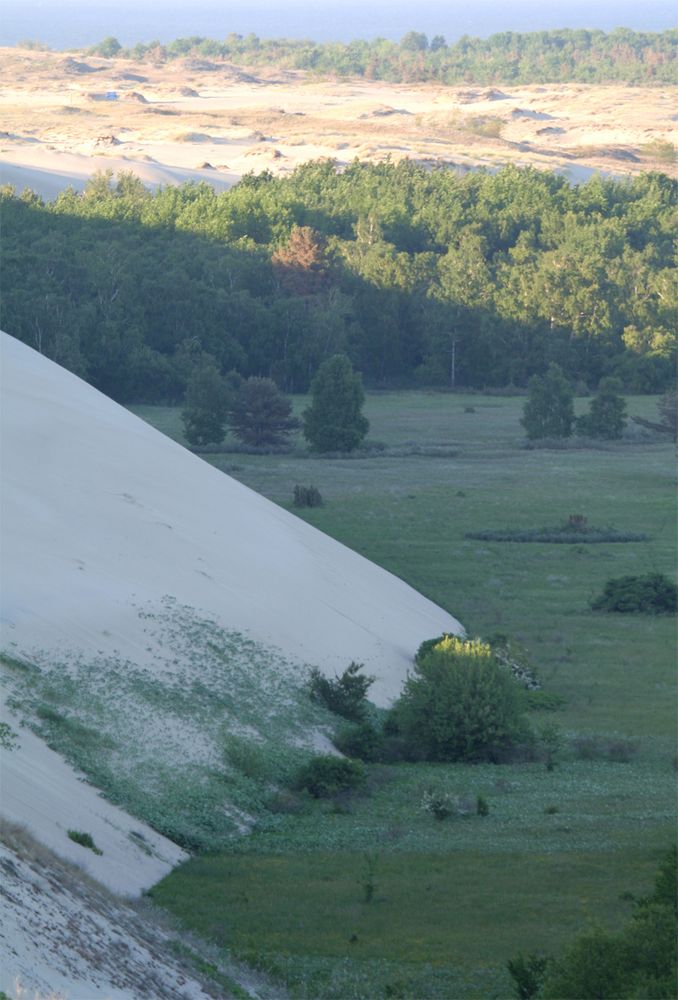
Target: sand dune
<point>51,172</point>
<point>226,109</point>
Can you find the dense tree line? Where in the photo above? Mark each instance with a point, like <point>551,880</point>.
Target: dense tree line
<point>564,55</point>
<point>418,276</point>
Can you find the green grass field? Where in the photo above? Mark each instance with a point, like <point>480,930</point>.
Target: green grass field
<point>455,899</point>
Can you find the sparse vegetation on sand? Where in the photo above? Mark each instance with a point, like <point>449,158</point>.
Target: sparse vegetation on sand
<point>194,753</point>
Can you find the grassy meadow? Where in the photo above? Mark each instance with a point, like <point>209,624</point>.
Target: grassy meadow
<point>453,900</point>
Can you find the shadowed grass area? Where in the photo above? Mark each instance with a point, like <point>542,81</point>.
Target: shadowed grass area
<point>454,903</point>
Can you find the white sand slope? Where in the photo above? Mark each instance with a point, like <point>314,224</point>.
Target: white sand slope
<point>62,937</point>
<point>52,172</point>
<point>102,515</point>
<point>46,796</point>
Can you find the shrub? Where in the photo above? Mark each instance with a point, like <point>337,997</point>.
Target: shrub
<point>607,414</point>
<point>498,646</point>
<point>660,149</point>
<point>438,803</point>
<point>616,749</point>
<point>549,410</point>
<point>362,742</point>
<point>638,963</point>
<point>84,839</point>
<point>652,593</point>
<point>429,644</point>
<point>558,534</point>
<point>544,701</point>
<point>549,745</point>
<point>527,975</point>
<point>459,704</point>
<point>285,802</point>
<point>247,757</point>
<point>8,740</point>
<point>334,421</point>
<point>345,695</point>
<point>326,775</point>
<point>307,496</point>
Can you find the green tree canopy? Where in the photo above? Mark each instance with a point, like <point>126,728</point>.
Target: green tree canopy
<point>639,963</point>
<point>607,415</point>
<point>206,406</point>
<point>260,414</point>
<point>334,421</point>
<point>549,410</point>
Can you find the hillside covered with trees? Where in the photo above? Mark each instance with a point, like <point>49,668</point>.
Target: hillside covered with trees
<point>564,55</point>
<point>421,277</point>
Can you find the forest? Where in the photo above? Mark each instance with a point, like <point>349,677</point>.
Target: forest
<point>422,277</point>
<point>564,55</point>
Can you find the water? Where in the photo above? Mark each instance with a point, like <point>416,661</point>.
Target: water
<point>77,23</point>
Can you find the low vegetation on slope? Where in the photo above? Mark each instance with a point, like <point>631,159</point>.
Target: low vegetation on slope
<point>197,744</point>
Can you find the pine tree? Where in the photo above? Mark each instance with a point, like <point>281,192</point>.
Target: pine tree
<point>260,414</point>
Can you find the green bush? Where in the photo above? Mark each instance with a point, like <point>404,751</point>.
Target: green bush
<point>651,594</point>
<point>326,775</point>
<point>616,749</point>
<point>460,705</point>
<point>558,534</point>
<point>84,839</point>
<point>439,803</point>
<point>544,701</point>
<point>247,756</point>
<point>345,695</point>
<point>639,963</point>
<point>362,741</point>
<point>429,644</point>
<point>307,496</point>
<point>8,740</point>
<point>607,415</point>
<point>527,975</point>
